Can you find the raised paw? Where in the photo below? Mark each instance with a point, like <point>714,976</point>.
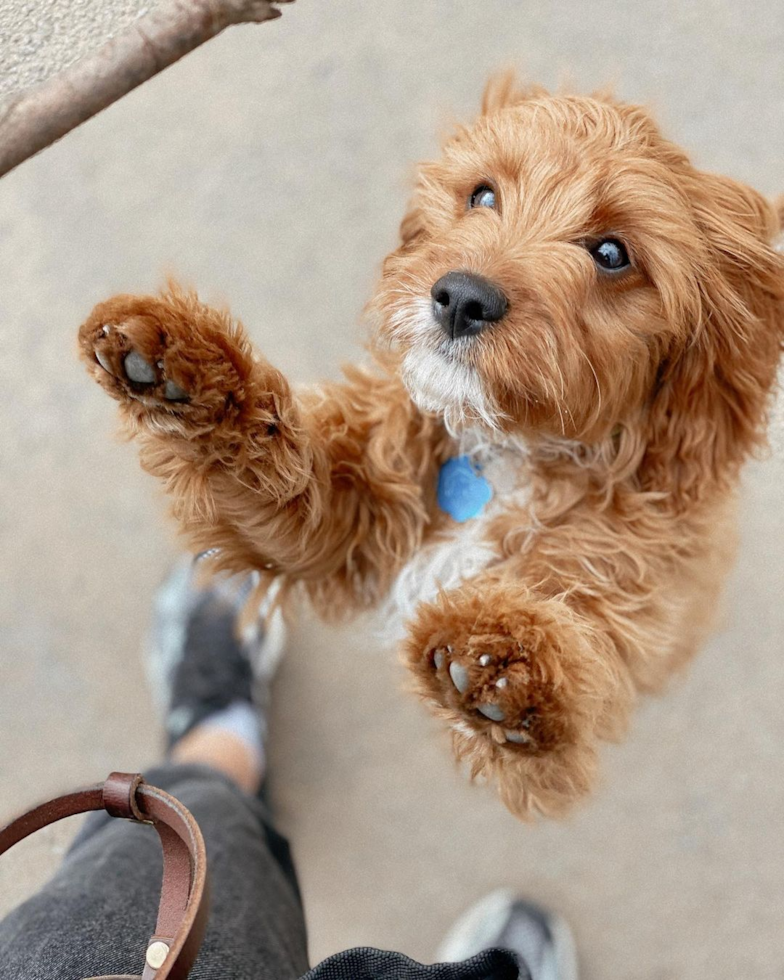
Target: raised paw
<point>499,685</point>
<point>526,687</point>
<point>168,355</point>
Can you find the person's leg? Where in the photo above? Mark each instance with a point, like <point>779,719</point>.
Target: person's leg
<point>97,913</point>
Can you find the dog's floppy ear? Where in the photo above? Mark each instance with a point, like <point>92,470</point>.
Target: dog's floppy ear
<point>503,90</point>
<point>710,406</point>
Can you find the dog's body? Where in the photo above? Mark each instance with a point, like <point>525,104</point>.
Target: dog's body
<point>577,321</point>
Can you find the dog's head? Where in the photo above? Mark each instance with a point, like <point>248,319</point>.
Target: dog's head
<point>565,271</point>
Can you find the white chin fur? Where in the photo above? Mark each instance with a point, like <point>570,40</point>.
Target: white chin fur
<point>447,387</point>
<point>436,381</point>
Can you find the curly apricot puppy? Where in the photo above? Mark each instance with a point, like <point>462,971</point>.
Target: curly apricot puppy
<point>577,341</point>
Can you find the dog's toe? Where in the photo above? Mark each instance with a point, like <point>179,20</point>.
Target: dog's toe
<point>133,374</point>
<point>459,676</point>
<point>174,393</point>
<point>492,711</point>
<point>138,370</point>
<point>518,738</point>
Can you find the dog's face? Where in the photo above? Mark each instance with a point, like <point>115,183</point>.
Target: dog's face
<point>555,260</point>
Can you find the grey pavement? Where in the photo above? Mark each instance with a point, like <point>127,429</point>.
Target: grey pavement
<point>270,169</point>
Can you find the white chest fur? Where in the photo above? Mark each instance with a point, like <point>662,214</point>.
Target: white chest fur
<point>460,551</point>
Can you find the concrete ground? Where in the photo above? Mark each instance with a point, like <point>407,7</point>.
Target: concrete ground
<point>270,169</point>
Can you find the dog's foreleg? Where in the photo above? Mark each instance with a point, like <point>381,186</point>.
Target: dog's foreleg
<point>323,490</point>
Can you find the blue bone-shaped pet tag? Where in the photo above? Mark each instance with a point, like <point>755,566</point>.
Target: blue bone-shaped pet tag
<point>462,490</point>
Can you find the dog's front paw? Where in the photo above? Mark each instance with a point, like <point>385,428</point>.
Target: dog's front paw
<point>166,358</point>
<point>498,676</point>
<point>525,686</point>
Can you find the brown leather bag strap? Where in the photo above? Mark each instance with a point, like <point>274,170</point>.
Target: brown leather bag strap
<point>183,909</point>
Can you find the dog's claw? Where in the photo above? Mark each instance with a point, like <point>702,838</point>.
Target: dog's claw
<point>138,370</point>
<point>519,738</point>
<point>491,711</point>
<point>459,676</point>
<point>485,660</point>
<point>103,360</point>
<point>438,659</point>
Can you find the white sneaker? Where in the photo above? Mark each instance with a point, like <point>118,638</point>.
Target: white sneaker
<point>541,939</point>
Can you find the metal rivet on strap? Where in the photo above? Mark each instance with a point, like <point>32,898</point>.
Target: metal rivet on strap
<point>156,954</point>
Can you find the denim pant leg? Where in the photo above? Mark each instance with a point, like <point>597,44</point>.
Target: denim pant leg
<point>97,913</point>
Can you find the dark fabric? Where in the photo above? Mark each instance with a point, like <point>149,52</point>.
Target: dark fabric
<point>97,913</point>
<point>378,964</point>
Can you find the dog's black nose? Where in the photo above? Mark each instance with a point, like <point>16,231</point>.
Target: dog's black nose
<point>464,303</point>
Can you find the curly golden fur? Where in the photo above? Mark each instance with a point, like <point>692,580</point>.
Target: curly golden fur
<point>627,404</point>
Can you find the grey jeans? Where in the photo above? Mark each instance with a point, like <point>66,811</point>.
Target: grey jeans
<point>96,914</point>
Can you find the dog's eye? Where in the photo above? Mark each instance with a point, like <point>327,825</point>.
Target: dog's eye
<point>610,255</point>
<point>482,197</point>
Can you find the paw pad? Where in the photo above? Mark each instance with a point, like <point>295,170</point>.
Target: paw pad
<point>492,711</point>
<point>173,393</point>
<point>138,370</point>
<point>459,676</point>
<point>519,738</point>
<point>481,687</point>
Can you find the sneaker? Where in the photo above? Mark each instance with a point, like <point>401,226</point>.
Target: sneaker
<point>198,662</point>
<point>541,939</point>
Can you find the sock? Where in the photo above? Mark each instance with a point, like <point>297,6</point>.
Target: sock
<point>244,721</point>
